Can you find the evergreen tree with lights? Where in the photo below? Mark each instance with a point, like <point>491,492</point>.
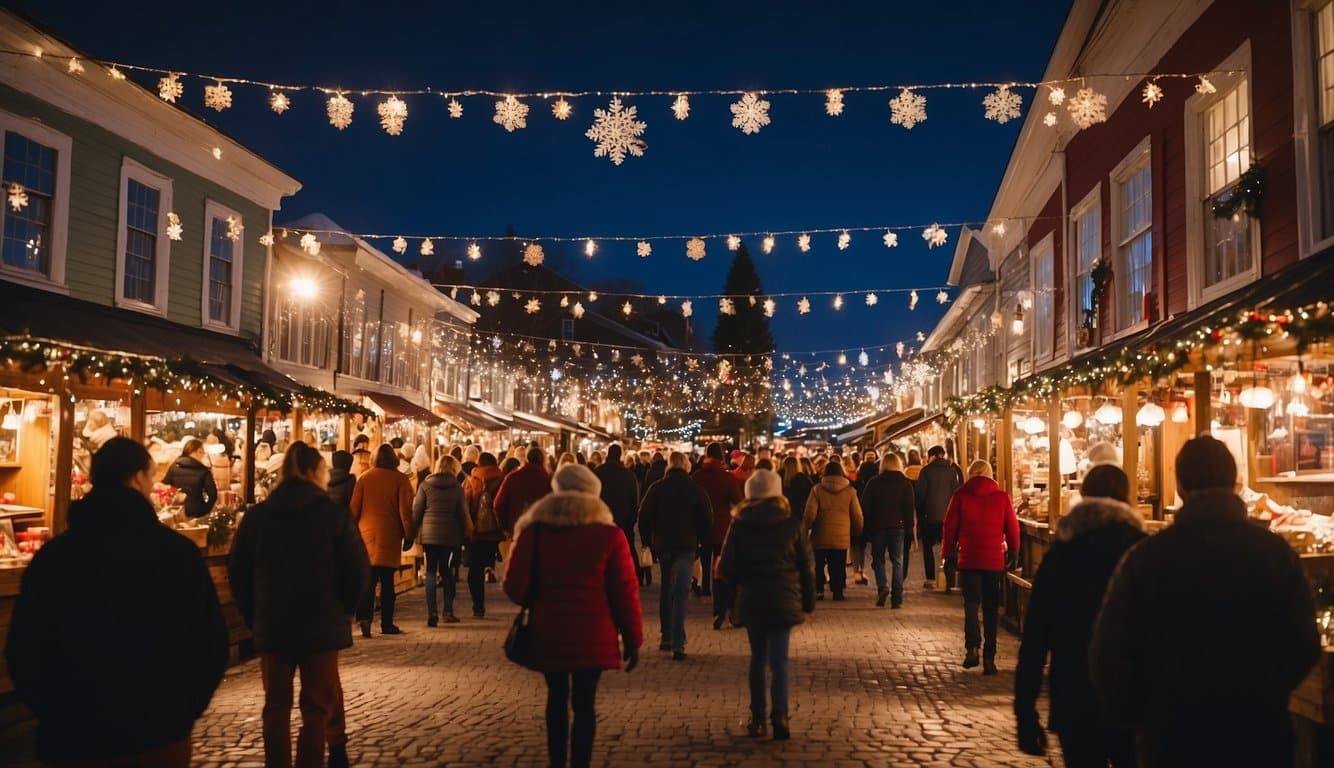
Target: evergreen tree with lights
<point>744,341</point>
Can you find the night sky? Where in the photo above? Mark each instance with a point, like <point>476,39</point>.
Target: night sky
<point>805,170</point>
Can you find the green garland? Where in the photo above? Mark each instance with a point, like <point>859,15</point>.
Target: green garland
<point>1246,195</point>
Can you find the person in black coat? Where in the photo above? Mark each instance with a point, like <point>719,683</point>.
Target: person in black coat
<point>889,511</point>
<point>797,485</point>
<point>341,480</point>
<point>657,469</point>
<point>121,676</point>
<point>298,568</point>
<point>768,557</point>
<point>620,492</point>
<point>1206,629</point>
<point>443,524</point>
<point>1067,592</point>
<point>675,517</point>
<point>190,475</point>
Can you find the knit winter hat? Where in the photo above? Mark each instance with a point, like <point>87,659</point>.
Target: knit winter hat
<point>764,485</point>
<point>576,478</point>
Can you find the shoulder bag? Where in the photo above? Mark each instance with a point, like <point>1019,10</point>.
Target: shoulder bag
<point>519,641</point>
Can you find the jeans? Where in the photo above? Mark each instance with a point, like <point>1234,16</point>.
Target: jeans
<point>837,562</point>
<point>888,541</point>
<point>706,554</point>
<point>385,577</point>
<point>441,561</point>
<point>1094,745</point>
<point>481,555</point>
<point>981,588</point>
<point>584,687</point>
<point>859,555</point>
<point>675,593</point>
<point>768,648</point>
<point>932,536</point>
<point>321,702</point>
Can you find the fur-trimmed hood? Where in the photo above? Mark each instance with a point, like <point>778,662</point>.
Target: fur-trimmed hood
<point>566,509</point>
<point>766,511</point>
<point>1095,512</point>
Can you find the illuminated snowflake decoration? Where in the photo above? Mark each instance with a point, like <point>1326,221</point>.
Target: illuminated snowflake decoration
<point>891,239</point>
<point>339,109</point>
<point>872,299</point>
<point>900,348</point>
<point>217,96</point>
<point>280,102</point>
<point>532,307</point>
<point>727,306</point>
<point>400,245</point>
<point>1087,107</point>
<point>681,106</point>
<point>590,247</point>
<point>1049,119</point>
<point>533,255</point>
<point>833,102</point>
<point>637,359</point>
<point>217,153</point>
<point>493,297</point>
<point>768,243</point>
<point>844,240</point>
<point>455,109</point>
<point>115,74</point>
<point>627,308</point>
<point>266,239</point>
<point>169,88</point>
<point>562,110</point>
<point>564,302</point>
<point>174,228</point>
<point>1152,94</point>
<point>695,248</point>
<point>733,242</point>
<point>998,229</point>
<point>234,229</point>
<point>18,196</point>
<point>912,301</point>
<point>592,296</point>
<point>644,248</point>
<point>803,306</point>
<point>75,67</point>
<point>616,132</point>
<point>1056,95</point>
<point>942,297</point>
<point>474,251</point>
<point>393,112</point>
<point>511,114</point>
<point>770,306</point>
<point>863,359</point>
<point>1205,86</point>
<point>577,310</point>
<point>750,114</point>
<point>907,109</point>
<point>935,235</point>
<point>838,302</point>
<point>804,243</point>
<point>310,245</point>
<point>662,299</point>
<point>687,308</point>
<point>1002,105</point>
<point>476,299</point>
<point>428,247</point>
<point>921,336</point>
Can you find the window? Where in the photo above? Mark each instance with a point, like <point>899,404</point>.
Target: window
<point>1227,143</point>
<point>1044,299</point>
<point>143,249</point>
<point>1324,54</point>
<point>567,329</point>
<point>223,250</point>
<point>1088,250</point>
<point>32,239</point>
<point>354,329</point>
<point>1132,217</point>
<point>303,331</point>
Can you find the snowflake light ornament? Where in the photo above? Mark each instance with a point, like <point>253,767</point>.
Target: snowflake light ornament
<point>234,229</point>
<point>1056,95</point>
<point>681,106</point>
<point>1049,119</point>
<point>590,247</point>
<point>695,248</point>
<point>115,74</point>
<point>474,251</point>
<point>511,114</point>
<point>18,196</point>
<point>1088,107</point>
<point>169,88</point>
<point>921,336</point>
<point>592,296</point>
<point>863,359</point>
<point>733,242</point>
<point>310,245</point>
<point>616,132</point>
<point>174,228</point>
<point>637,359</point>
<point>1002,105</point>
<point>750,114</point>
<point>872,299</point>
<point>907,109</point>
<point>769,243</point>
<point>393,111</point>
<point>455,109</point>
<point>400,245</point>
<point>838,302</point>
<point>644,248</point>
<point>687,308</point>
<point>899,348</point>
<point>533,255</point>
<point>75,67</point>
<point>532,307</point>
<point>217,96</point>
<point>912,301</point>
<point>493,297</point>
<point>577,310</point>
<point>1205,86</point>
<point>1152,93</point>
<point>562,110</point>
<point>804,242</point>
<point>476,299</point>
<point>339,109</point>
<point>770,306</point>
<point>564,302</point>
<point>627,308</point>
<point>833,102</point>
<point>844,240</point>
<point>428,247</point>
<point>934,235</point>
<point>279,102</point>
<point>803,306</point>
<point>727,306</point>
<point>891,239</point>
<point>998,229</point>
<point>692,363</point>
<point>942,297</point>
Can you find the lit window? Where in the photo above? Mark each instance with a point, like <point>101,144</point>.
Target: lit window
<point>1227,155</point>
<point>1088,249</point>
<point>1044,300</point>
<point>27,232</point>
<point>1132,219</point>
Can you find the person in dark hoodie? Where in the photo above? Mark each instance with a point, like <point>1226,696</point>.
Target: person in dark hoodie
<point>484,547</point>
<point>1067,592</point>
<point>341,480</point>
<point>889,510</point>
<point>768,559</point>
<point>657,469</point>
<point>190,475</point>
<point>675,517</point>
<point>297,569</point>
<point>1206,629</point>
<point>935,486</point>
<point>440,515</point>
<point>620,492</point>
<point>122,679</point>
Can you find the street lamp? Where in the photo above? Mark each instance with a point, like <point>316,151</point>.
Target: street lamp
<point>304,288</point>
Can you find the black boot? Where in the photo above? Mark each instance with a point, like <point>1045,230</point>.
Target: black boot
<point>338,757</point>
<point>781,730</point>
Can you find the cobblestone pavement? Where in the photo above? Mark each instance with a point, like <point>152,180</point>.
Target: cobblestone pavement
<point>870,687</point>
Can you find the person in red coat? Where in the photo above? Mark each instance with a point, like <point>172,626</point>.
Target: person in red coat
<point>521,488</point>
<point>572,565</point>
<point>724,493</point>
<point>980,529</point>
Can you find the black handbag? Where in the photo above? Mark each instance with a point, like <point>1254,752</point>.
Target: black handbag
<point>519,641</point>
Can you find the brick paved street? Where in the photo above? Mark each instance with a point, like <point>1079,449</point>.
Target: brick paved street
<point>871,687</point>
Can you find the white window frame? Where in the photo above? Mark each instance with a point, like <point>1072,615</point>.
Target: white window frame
<point>1306,130</point>
<point>132,169</point>
<point>215,210</point>
<point>1140,156</point>
<point>1046,248</point>
<point>1239,60</point>
<point>35,131</point>
<point>1090,204</point>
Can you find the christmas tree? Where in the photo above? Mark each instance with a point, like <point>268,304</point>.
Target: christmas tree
<point>744,341</point>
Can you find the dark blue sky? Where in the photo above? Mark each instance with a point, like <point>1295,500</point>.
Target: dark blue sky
<point>805,170</point>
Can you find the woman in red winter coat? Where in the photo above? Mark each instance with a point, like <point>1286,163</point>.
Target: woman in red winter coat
<point>572,565</point>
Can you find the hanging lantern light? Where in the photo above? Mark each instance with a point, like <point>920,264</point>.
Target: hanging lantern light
<point>1017,324</point>
<point>11,420</point>
<point>1150,415</point>
<point>1108,414</point>
<point>1033,425</point>
<point>1072,419</point>
<point>1180,412</point>
<point>1260,398</point>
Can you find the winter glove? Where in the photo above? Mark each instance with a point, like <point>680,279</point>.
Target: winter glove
<point>1032,739</point>
<point>631,656</point>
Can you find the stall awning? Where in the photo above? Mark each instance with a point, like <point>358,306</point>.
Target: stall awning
<point>569,425</point>
<point>468,417</point>
<point>911,426</point>
<point>529,422</point>
<point>399,409</point>
<point>597,431</point>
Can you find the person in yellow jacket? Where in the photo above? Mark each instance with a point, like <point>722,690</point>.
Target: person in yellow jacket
<point>833,516</point>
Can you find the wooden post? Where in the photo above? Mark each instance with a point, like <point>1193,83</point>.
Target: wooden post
<point>298,424</point>
<point>961,444</point>
<point>1203,405</point>
<point>1053,462</point>
<point>1255,435</point>
<point>248,456</point>
<point>64,459</point>
<point>139,417</point>
<point>1005,451</point>
<point>1130,437</point>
